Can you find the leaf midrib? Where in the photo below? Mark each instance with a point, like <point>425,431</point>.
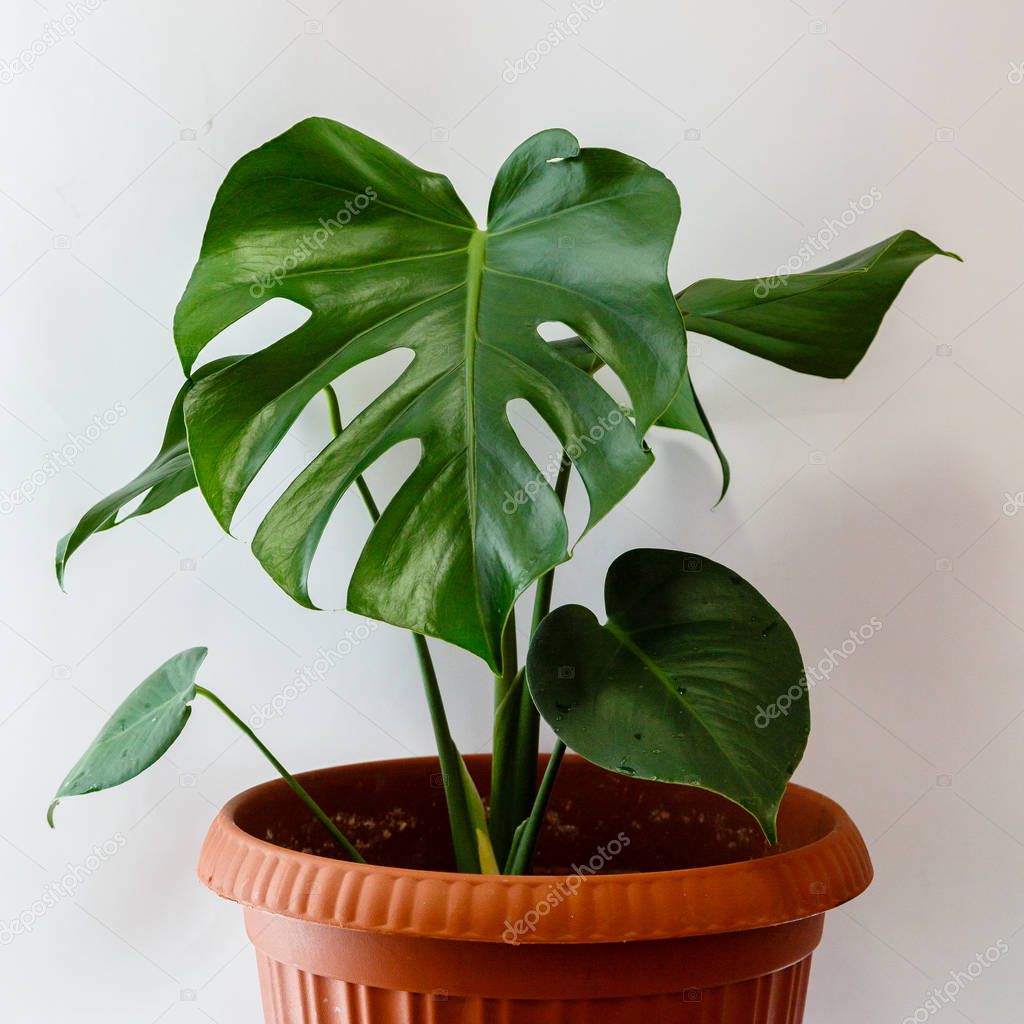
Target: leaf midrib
<point>471,335</point>
<point>627,644</point>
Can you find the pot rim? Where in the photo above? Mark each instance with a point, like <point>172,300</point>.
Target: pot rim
<point>772,890</point>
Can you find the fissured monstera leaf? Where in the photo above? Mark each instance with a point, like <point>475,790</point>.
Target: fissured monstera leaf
<point>139,732</point>
<point>680,684</point>
<point>385,256</point>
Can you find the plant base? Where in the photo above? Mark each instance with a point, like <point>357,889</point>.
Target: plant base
<point>687,917</point>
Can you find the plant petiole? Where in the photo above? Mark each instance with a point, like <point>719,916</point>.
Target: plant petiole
<point>296,788</point>
<point>454,780</point>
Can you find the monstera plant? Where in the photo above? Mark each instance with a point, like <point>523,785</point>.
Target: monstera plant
<point>384,256</point>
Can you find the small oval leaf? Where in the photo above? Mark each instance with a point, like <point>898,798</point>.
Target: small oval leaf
<point>139,732</point>
<point>670,689</point>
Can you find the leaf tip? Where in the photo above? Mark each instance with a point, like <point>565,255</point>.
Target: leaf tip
<point>60,561</point>
<point>560,143</point>
<point>199,653</point>
<point>50,810</point>
<point>726,479</point>
<point>767,819</point>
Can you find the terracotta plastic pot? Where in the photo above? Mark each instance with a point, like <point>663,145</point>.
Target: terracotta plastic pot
<point>657,903</point>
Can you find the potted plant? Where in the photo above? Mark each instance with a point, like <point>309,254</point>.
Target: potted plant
<point>665,867</point>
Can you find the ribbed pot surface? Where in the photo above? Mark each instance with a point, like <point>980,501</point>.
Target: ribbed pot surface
<point>652,903</point>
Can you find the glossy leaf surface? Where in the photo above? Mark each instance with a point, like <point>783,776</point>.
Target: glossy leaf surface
<point>385,256</point>
<point>679,684</point>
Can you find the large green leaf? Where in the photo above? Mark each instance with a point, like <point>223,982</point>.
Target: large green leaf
<point>139,732</point>
<point>169,475</point>
<point>680,684</point>
<point>820,322</point>
<point>385,256</point>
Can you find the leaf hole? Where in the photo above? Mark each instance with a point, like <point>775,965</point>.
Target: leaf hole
<point>349,525</point>
<point>360,387</point>
<point>541,444</point>
<point>554,330</point>
<point>311,432</point>
<point>276,318</point>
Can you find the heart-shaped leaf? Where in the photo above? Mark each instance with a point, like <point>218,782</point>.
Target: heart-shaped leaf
<point>675,685</point>
<point>820,322</point>
<point>169,475</point>
<point>385,256</point>
<point>139,732</point>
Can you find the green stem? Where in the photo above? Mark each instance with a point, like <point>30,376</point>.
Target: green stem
<point>542,600</point>
<point>517,724</point>
<point>511,793</point>
<point>514,764</point>
<point>521,856</point>
<point>467,857</point>
<point>509,660</point>
<point>335,413</point>
<point>318,812</point>
<point>530,729</point>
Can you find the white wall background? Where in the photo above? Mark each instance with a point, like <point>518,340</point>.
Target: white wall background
<point>884,496</point>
